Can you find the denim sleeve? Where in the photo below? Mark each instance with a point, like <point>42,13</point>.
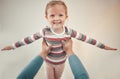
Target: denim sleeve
<point>77,68</point>
<point>31,69</point>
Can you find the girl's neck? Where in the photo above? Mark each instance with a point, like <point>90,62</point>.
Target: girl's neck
<point>58,31</point>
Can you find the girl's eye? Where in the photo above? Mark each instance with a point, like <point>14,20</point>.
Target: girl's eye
<point>52,15</point>
<point>60,15</point>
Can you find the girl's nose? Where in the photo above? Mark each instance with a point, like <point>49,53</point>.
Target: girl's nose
<point>56,18</point>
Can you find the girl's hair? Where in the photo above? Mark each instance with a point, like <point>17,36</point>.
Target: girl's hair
<point>53,3</point>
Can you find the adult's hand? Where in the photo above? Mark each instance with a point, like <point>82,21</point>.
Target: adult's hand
<point>67,46</point>
<point>45,49</point>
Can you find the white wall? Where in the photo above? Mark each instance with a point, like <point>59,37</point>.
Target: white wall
<point>99,19</point>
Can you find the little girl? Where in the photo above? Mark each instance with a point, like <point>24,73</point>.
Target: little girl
<point>56,14</point>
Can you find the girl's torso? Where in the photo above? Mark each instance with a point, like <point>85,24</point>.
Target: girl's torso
<point>57,55</point>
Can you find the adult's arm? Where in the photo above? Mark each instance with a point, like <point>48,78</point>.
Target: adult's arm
<point>31,69</point>
<point>76,65</point>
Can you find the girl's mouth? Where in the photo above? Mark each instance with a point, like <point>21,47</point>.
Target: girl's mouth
<point>57,22</point>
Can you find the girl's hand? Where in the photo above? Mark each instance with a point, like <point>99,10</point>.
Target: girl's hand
<point>7,48</point>
<point>109,48</point>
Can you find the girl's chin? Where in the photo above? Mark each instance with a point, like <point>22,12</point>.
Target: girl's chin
<point>57,26</point>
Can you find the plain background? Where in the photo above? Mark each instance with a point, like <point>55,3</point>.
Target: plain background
<point>99,19</point>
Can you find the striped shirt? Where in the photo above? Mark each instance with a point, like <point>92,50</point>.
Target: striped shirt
<point>57,55</point>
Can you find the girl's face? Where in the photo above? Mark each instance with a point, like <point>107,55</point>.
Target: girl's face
<point>56,16</point>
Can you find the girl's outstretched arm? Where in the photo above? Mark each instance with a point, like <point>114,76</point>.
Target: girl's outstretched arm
<point>25,41</point>
<point>89,40</point>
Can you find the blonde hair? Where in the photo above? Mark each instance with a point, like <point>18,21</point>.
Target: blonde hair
<point>53,3</point>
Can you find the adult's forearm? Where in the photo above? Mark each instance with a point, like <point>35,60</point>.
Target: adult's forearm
<point>31,69</point>
<point>77,68</point>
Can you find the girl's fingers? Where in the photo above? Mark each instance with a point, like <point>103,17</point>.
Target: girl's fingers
<point>114,49</point>
<point>2,49</point>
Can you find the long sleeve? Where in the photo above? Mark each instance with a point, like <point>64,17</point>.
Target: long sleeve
<point>85,38</point>
<point>28,40</point>
<point>77,68</point>
<point>31,69</point>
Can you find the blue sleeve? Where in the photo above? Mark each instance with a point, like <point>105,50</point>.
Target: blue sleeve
<point>77,68</point>
<point>31,69</point>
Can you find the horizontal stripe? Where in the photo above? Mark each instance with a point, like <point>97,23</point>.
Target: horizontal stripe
<point>36,36</point>
<point>18,44</point>
<point>56,36</point>
<point>94,42</point>
<point>56,61</point>
<point>13,45</point>
<point>100,45</point>
<point>83,37</point>
<point>97,43</point>
<point>87,39</point>
<point>28,40</point>
<point>32,38</point>
<point>57,49</point>
<point>57,54</point>
<point>57,46</point>
<point>57,39</point>
<point>77,35</point>
<point>73,33</point>
<point>57,58</point>
<point>53,42</point>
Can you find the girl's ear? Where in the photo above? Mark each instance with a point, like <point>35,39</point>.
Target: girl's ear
<point>66,17</point>
<point>46,17</point>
